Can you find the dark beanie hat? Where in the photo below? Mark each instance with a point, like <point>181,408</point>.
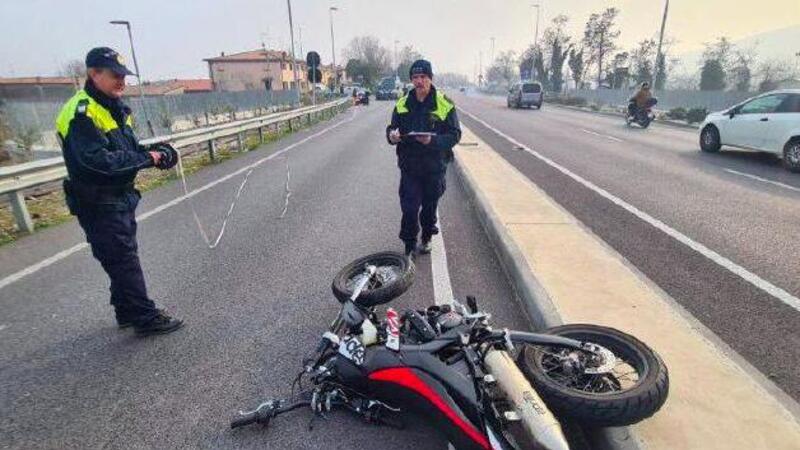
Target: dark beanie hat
<point>420,66</point>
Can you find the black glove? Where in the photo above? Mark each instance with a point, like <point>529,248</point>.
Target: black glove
<point>169,156</point>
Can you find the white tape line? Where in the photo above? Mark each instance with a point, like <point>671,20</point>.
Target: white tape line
<point>16,276</point>
<point>602,135</point>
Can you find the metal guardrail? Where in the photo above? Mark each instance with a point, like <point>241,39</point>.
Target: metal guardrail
<point>15,179</point>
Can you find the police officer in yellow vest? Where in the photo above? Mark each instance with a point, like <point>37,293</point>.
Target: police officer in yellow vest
<point>102,156</point>
<point>425,129</point>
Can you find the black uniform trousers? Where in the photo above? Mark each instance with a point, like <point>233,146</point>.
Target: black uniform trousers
<point>112,236</point>
<point>419,199</point>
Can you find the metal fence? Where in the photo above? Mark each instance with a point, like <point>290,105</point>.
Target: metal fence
<point>167,113</point>
<point>667,99</point>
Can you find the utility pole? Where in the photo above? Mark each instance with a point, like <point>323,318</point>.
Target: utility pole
<point>480,69</point>
<point>333,50</point>
<point>536,32</point>
<point>300,39</point>
<point>396,63</point>
<point>659,56</point>
<point>294,58</point>
<point>492,55</point>
<point>138,74</point>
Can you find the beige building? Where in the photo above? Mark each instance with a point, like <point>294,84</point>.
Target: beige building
<point>255,69</point>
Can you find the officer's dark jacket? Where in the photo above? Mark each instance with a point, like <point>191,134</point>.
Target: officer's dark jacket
<point>101,152</point>
<point>436,114</point>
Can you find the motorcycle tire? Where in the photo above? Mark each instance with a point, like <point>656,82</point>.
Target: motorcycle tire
<point>380,290</point>
<point>601,409</point>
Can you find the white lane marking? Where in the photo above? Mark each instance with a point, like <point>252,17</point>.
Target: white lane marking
<point>776,183</point>
<point>442,287</point>
<point>602,135</point>
<point>722,261</point>
<point>65,253</point>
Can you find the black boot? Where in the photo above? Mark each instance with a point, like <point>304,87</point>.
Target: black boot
<point>160,324</point>
<point>425,246</point>
<point>411,247</point>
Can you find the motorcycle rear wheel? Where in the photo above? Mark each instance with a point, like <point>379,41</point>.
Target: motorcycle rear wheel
<point>606,399</point>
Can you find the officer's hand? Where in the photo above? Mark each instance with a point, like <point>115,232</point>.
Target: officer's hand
<point>394,136</point>
<point>169,156</point>
<point>156,157</point>
<point>424,140</point>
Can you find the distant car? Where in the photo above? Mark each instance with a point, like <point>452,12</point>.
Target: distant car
<point>389,88</point>
<point>348,89</point>
<point>525,94</point>
<point>361,96</point>
<point>462,89</point>
<point>769,123</point>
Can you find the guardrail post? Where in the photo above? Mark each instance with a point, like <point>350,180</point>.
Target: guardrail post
<point>24,221</point>
<point>290,125</point>
<point>308,117</point>
<point>240,141</point>
<point>212,149</point>
<point>261,134</point>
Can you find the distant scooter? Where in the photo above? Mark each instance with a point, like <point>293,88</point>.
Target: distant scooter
<point>641,116</point>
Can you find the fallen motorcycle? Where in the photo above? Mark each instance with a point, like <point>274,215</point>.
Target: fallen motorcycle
<point>447,364</point>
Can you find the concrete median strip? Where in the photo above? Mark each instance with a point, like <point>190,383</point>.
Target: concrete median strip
<point>564,273</point>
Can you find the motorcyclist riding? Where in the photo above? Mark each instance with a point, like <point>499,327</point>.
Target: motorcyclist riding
<point>641,99</point>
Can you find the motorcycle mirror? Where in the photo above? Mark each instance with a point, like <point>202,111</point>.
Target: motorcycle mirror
<point>732,113</point>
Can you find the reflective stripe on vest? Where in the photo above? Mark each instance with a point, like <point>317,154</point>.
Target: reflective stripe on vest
<point>443,106</point>
<point>101,117</point>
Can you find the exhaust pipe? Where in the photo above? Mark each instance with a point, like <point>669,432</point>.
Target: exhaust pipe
<point>536,419</point>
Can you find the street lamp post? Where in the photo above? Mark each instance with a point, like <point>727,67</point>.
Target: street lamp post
<point>294,58</point>
<point>138,73</point>
<point>396,62</point>
<point>659,56</point>
<point>333,50</point>
<point>536,32</point>
<point>492,54</point>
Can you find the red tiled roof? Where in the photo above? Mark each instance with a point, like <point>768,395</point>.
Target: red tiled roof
<point>255,56</point>
<point>38,80</point>
<point>198,85</point>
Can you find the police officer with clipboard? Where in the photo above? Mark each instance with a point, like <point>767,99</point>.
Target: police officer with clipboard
<point>425,129</point>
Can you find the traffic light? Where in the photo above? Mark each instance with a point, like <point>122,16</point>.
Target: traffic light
<point>313,61</point>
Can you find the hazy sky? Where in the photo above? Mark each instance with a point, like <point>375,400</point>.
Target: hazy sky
<point>172,37</point>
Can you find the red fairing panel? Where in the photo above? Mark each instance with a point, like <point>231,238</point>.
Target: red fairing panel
<point>406,377</point>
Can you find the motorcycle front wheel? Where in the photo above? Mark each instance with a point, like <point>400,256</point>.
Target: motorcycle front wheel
<point>394,274</point>
<point>577,387</point>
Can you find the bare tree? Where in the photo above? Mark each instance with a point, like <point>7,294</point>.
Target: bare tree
<point>642,59</point>
<point>503,69</point>
<point>373,59</point>
<point>773,71</point>
<point>406,57</point>
<point>599,38</point>
<point>73,68</point>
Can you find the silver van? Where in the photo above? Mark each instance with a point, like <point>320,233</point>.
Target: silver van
<point>525,93</point>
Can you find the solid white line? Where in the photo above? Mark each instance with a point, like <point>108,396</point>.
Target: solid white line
<point>745,274</point>
<point>602,135</point>
<point>65,253</point>
<point>442,287</point>
<point>776,183</point>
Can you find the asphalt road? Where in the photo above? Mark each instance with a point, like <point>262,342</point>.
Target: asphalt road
<point>713,199</point>
<point>254,306</point>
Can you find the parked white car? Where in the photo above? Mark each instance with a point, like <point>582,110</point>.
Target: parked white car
<point>769,122</point>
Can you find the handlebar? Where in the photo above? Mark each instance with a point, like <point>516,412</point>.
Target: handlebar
<point>266,411</point>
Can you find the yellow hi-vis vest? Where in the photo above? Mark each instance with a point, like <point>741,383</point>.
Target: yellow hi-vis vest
<point>443,106</point>
<point>82,103</point>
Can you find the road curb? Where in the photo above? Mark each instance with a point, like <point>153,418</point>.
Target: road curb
<point>670,123</point>
<point>535,300</point>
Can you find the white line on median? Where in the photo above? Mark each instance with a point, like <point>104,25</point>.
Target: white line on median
<point>776,183</point>
<point>65,253</point>
<point>442,287</point>
<point>602,135</point>
<point>743,273</point>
